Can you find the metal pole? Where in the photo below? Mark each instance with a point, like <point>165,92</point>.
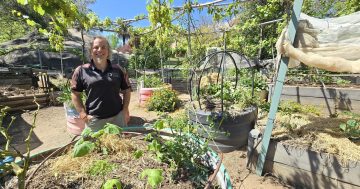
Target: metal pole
<point>61,61</point>
<point>189,34</point>
<point>295,16</point>
<point>40,61</point>
<point>161,64</point>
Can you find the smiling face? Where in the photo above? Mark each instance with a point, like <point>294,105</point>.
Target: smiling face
<point>100,50</point>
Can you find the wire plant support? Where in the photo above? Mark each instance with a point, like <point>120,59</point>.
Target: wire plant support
<point>226,131</point>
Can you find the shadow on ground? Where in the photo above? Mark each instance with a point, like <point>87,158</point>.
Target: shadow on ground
<point>19,131</point>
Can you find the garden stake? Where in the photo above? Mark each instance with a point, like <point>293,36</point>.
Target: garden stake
<point>278,88</point>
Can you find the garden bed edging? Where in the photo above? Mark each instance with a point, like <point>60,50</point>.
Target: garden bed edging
<point>304,168</point>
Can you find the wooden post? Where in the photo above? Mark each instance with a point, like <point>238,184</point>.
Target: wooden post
<point>278,88</point>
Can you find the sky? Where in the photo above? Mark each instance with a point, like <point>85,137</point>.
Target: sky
<point>129,9</point>
<point>120,8</point>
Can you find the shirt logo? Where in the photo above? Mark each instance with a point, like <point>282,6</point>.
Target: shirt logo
<point>113,75</point>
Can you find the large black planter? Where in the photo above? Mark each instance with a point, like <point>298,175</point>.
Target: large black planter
<point>225,134</point>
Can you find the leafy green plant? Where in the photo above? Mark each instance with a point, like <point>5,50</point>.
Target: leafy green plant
<point>87,142</point>
<point>154,177</point>
<point>151,81</point>
<point>101,168</point>
<point>138,153</point>
<point>351,128</point>
<point>65,95</point>
<point>111,183</point>
<point>246,79</point>
<point>342,82</point>
<point>164,100</point>
<point>184,152</point>
<point>239,97</point>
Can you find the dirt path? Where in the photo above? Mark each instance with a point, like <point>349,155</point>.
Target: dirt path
<point>50,132</point>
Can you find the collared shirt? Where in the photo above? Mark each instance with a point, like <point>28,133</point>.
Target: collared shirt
<point>102,89</point>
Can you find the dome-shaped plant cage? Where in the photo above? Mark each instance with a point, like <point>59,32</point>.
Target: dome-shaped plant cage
<point>214,89</point>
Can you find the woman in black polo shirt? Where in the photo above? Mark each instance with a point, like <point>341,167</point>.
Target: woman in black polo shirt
<point>103,83</point>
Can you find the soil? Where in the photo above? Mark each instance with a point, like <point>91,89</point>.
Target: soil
<point>50,132</point>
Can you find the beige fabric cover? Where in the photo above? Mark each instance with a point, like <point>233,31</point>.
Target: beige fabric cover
<point>330,44</point>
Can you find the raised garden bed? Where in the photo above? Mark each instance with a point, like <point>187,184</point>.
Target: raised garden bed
<point>330,100</point>
<point>26,102</point>
<point>228,134</point>
<point>128,168</point>
<point>304,168</point>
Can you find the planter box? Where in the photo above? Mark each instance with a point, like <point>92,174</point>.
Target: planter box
<point>303,168</point>
<point>225,135</point>
<point>21,102</point>
<point>329,100</point>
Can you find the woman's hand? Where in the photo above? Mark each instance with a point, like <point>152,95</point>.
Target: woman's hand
<point>85,117</point>
<point>126,115</point>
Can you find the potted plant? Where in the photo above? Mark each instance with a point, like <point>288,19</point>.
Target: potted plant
<point>75,125</point>
<point>148,84</point>
<point>224,103</point>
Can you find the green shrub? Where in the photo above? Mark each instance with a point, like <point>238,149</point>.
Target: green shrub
<point>151,81</point>
<point>164,100</point>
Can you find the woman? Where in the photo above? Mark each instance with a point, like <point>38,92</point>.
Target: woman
<point>103,83</point>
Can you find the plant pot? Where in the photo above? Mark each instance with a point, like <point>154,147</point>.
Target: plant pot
<point>231,134</point>
<point>75,125</point>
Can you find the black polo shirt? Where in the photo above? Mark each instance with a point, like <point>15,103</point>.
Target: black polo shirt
<point>101,88</point>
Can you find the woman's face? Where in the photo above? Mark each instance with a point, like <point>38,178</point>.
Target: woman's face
<point>100,50</point>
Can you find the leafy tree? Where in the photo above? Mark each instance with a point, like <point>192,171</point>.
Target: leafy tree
<point>250,37</point>
<point>13,26</point>
<point>113,40</point>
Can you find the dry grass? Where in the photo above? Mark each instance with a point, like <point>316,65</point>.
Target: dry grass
<point>77,167</point>
<point>317,133</point>
<point>72,167</point>
<point>115,144</point>
<point>209,79</point>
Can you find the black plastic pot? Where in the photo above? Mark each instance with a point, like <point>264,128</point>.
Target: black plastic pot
<point>228,133</point>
